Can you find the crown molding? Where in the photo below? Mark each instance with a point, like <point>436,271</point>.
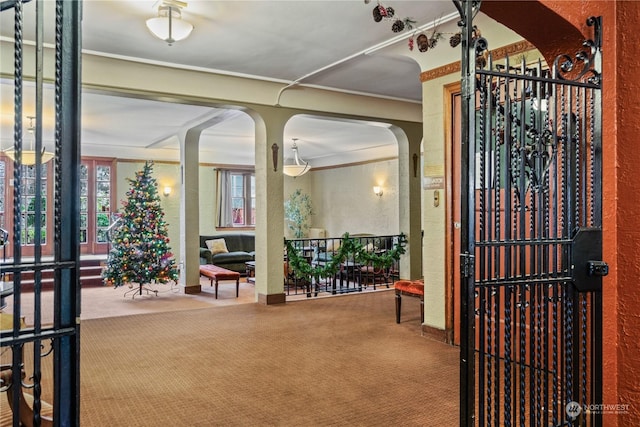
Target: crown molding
<point>497,54</point>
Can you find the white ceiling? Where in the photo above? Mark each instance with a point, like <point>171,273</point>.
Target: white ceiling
<point>332,44</point>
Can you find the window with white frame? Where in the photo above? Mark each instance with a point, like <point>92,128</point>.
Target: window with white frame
<point>236,196</point>
<point>243,199</point>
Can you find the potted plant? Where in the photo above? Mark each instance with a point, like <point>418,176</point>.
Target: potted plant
<point>297,211</point>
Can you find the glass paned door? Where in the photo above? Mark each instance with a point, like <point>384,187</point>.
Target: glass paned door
<point>96,193</point>
<point>103,202</point>
<point>29,208</point>
<point>84,203</point>
<point>3,193</point>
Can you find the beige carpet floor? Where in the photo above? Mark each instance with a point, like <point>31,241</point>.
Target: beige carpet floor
<point>337,361</point>
<point>315,362</point>
<point>106,301</point>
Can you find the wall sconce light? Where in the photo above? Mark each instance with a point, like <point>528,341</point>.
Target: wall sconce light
<point>274,156</point>
<point>377,190</point>
<point>166,190</point>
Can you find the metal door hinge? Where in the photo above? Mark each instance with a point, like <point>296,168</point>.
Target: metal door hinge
<point>467,264</point>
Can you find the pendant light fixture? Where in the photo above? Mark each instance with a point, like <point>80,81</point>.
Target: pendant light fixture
<point>298,167</point>
<point>28,157</point>
<point>169,25</point>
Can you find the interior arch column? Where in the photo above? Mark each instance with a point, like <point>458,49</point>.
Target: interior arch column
<point>189,203</point>
<point>189,213</point>
<point>269,135</point>
<point>409,178</point>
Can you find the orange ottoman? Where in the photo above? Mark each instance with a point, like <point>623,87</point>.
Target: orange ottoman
<point>414,288</point>
<point>213,272</point>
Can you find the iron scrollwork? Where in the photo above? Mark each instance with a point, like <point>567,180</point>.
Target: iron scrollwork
<point>564,65</point>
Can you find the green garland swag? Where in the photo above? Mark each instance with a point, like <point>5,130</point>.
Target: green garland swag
<point>304,270</point>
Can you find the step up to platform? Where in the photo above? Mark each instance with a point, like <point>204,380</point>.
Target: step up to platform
<point>90,276</point>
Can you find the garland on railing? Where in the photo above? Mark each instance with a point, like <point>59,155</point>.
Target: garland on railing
<point>304,270</point>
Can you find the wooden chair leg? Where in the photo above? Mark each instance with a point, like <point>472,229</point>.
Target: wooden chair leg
<point>398,306</point>
<point>414,288</point>
<point>237,288</point>
<point>25,402</point>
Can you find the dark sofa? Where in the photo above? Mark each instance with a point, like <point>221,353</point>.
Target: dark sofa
<point>241,248</point>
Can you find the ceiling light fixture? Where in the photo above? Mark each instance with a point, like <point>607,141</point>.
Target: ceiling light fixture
<point>28,157</point>
<point>299,167</point>
<point>169,25</point>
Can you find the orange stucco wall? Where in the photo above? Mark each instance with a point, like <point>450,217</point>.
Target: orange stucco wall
<point>628,206</point>
<point>552,26</point>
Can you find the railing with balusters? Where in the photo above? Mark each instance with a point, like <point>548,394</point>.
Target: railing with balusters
<point>341,264</point>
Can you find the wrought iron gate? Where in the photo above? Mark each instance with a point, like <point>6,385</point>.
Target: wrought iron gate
<point>40,342</point>
<point>532,271</point>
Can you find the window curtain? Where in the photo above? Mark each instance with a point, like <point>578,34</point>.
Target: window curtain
<point>223,196</point>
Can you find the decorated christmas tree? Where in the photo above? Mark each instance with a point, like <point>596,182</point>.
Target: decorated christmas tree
<point>140,251</point>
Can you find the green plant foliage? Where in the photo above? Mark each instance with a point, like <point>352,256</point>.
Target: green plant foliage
<point>303,270</point>
<point>297,211</point>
